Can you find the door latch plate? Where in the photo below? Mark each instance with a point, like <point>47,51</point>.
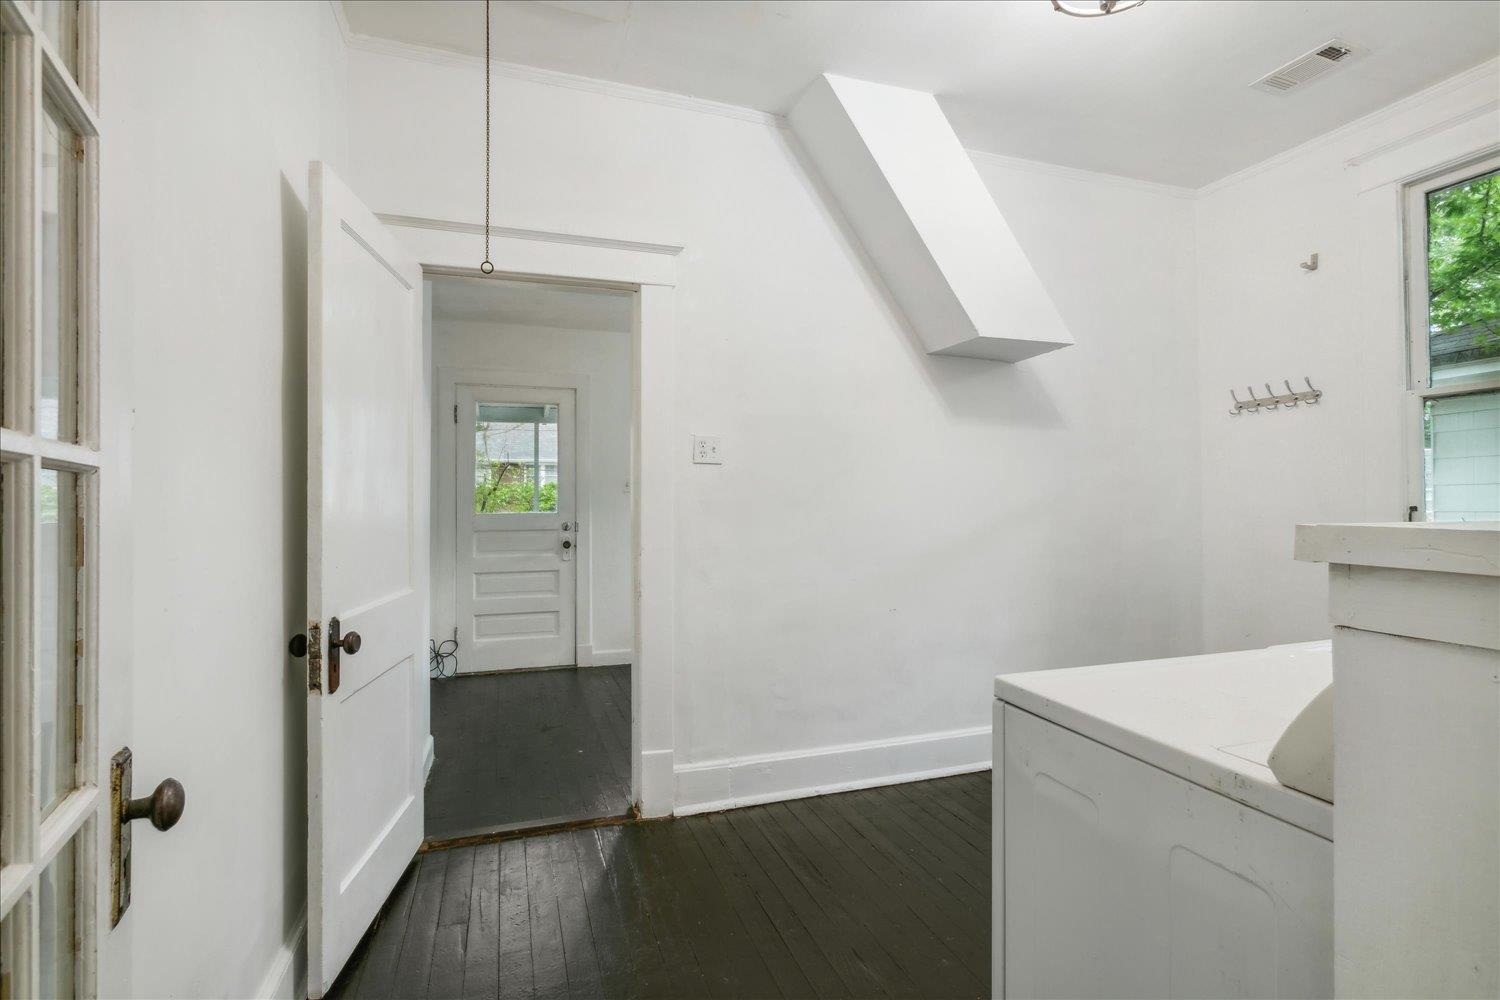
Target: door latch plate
<point>119,841</point>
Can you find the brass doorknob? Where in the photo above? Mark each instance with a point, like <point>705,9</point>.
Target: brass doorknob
<point>162,807</point>
<point>349,642</point>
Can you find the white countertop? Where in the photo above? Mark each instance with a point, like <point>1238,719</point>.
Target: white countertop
<point>1211,719</point>
<point>1466,547</point>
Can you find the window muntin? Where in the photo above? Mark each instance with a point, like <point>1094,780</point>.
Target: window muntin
<point>515,458</point>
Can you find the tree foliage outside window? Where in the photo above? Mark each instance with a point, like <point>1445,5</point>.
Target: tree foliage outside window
<point>508,488</point>
<point>1463,270</point>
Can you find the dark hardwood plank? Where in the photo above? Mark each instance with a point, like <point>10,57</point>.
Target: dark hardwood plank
<point>482,950</point>
<point>815,907</point>
<point>515,974</point>
<point>377,968</point>
<point>528,748</point>
<point>581,963</point>
<point>741,898</point>
<point>879,892</point>
<point>549,969</point>
<point>414,967</point>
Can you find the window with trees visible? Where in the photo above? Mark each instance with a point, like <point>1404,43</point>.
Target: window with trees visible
<point>515,458</point>
<point>1453,283</point>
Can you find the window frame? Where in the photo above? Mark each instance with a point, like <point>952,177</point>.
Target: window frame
<point>1420,389</point>
<point>36,77</point>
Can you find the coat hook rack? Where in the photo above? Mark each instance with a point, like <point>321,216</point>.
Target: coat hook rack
<point>1311,264</point>
<point>1273,400</point>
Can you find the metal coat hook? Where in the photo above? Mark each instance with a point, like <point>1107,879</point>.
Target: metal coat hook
<point>1274,400</point>
<point>1311,264</point>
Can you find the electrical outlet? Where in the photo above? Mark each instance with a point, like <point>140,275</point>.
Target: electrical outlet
<point>706,451</point>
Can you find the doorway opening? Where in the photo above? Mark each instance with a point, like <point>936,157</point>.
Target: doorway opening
<point>532,554</point>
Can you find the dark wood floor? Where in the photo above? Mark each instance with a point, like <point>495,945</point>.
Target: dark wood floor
<point>876,893</point>
<point>528,749</point>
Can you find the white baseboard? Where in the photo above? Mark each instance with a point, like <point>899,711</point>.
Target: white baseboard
<point>429,757</point>
<point>287,977</point>
<point>731,782</point>
<point>612,657</point>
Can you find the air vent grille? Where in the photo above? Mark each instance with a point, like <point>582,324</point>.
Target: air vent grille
<point>1305,68</point>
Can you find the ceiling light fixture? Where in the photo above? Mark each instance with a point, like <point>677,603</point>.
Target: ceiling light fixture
<point>1099,9</point>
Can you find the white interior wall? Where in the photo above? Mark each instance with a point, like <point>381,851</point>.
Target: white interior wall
<point>890,529</point>
<point>211,112</point>
<point>1260,318</point>
<point>604,356</point>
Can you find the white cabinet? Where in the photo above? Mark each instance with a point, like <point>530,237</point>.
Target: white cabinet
<point>1416,662</point>
<point>1142,847</point>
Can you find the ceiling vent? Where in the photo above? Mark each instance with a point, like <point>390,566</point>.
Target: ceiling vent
<point>1306,68</point>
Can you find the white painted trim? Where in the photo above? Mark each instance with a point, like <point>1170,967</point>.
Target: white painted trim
<point>429,757</point>
<point>741,781</point>
<point>583,655</point>
<point>286,979</point>
<point>656,453</point>
<point>1443,90</point>
<point>612,657</point>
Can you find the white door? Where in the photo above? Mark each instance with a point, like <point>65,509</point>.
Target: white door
<point>517,528</point>
<point>364,780</point>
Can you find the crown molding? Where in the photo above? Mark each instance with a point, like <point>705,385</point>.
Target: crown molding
<point>1003,162</point>
<point>1444,89</point>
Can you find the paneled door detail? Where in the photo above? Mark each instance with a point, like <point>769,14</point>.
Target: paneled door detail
<point>517,527</point>
<point>365,648</point>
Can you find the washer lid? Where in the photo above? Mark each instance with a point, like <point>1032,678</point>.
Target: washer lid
<point>1211,719</point>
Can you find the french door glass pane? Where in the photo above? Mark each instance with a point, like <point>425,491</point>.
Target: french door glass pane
<point>1463,279</point>
<point>60,21</point>
<point>1463,457</point>
<point>57,894</point>
<point>58,642</point>
<point>515,458</point>
<point>58,414</point>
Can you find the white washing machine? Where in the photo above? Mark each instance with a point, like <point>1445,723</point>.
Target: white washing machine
<point>1142,847</point>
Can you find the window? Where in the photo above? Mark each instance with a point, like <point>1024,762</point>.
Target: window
<point>1453,291</point>
<point>515,458</point>
<point>50,799</point>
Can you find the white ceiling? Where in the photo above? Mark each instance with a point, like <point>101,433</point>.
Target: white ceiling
<point>1159,93</point>
<point>530,303</point>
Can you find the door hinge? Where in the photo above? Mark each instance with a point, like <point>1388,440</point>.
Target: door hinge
<point>455,413</point>
<point>315,656</point>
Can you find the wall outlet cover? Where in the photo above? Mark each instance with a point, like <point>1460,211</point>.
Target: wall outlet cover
<point>706,451</point>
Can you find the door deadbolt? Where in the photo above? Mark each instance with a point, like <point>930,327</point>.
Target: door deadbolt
<point>567,543</point>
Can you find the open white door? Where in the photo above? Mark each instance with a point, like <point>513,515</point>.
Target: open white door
<point>364,768</point>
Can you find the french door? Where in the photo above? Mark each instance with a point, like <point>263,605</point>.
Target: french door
<point>50,471</point>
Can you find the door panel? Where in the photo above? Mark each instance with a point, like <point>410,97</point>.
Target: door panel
<point>364,752</point>
<point>516,579</point>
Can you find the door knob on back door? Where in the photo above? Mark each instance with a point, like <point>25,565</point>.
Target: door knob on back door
<point>339,642</point>
<point>162,807</point>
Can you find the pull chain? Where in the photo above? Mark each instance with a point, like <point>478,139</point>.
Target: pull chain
<point>486,266</point>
